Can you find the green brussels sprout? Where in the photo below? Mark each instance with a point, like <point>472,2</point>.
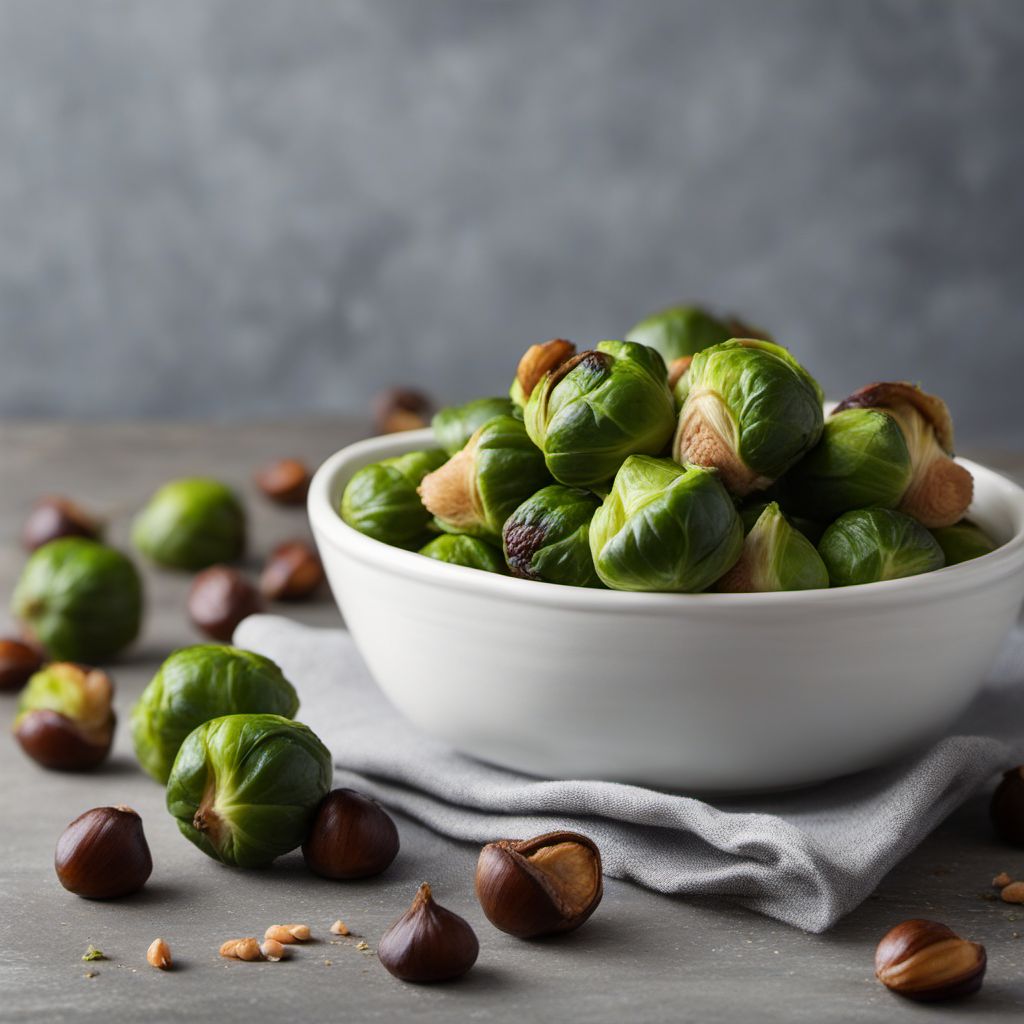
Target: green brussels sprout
<point>548,537</point>
<point>459,549</point>
<point>191,524</point>
<point>861,461</point>
<point>244,788</point>
<point>381,500</point>
<point>454,426</point>
<point>872,544</point>
<point>80,599</point>
<point>776,556</point>
<point>196,684</point>
<point>598,408</point>
<point>939,490</point>
<point>686,330</point>
<point>749,410</point>
<point>751,511</point>
<point>665,527</point>
<point>538,360</point>
<point>963,541</point>
<point>477,489</point>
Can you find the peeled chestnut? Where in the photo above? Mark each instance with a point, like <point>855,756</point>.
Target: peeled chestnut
<point>103,854</point>
<point>285,481</point>
<point>399,409</point>
<point>220,597</point>
<point>55,517</point>
<point>428,943</point>
<point>18,663</point>
<point>532,887</point>
<point>351,836</point>
<point>1007,807</point>
<point>927,961</point>
<point>292,572</point>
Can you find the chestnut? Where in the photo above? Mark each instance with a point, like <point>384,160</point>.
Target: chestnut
<point>1007,807</point>
<point>398,409</point>
<point>103,854</point>
<point>285,481</point>
<point>532,887</point>
<point>292,572</point>
<point>19,661</point>
<point>351,836</point>
<point>428,943</point>
<point>927,961</point>
<point>220,597</point>
<point>55,517</point>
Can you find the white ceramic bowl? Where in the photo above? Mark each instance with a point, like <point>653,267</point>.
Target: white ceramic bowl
<point>706,692</point>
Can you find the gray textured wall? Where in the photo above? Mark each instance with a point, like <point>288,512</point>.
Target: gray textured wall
<point>255,207</point>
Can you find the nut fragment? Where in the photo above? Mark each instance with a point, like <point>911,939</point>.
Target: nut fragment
<point>159,955</point>
<point>272,950</point>
<point>219,599</point>
<point>1001,880</point>
<point>538,360</point>
<point>1013,893</point>
<point>241,949</point>
<point>18,663</point>
<point>287,933</point>
<point>340,928</point>
<point>55,517</point>
<point>927,961</point>
<point>292,572</point>
<point>285,481</point>
<point>398,409</point>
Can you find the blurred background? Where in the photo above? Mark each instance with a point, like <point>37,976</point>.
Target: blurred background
<point>234,209</point>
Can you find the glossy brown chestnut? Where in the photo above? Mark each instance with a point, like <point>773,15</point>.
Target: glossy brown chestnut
<point>55,517</point>
<point>927,961</point>
<point>293,572</point>
<point>285,481</point>
<point>57,742</point>
<point>219,599</point>
<point>532,887</point>
<point>1007,807</point>
<point>103,854</point>
<point>428,943</point>
<point>351,836</point>
<point>399,409</point>
<point>18,662</point>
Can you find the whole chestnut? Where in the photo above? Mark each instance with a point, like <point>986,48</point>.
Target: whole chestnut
<point>18,663</point>
<point>219,598</point>
<point>292,572</point>
<point>351,836</point>
<point>54,517</point>
<point>532,887</point>
<point>398,409</point>
<point>428,943</point>
<point>927,961</point>
<point>1007,807</point>
<point>103,854</point>
<point>285,481</point>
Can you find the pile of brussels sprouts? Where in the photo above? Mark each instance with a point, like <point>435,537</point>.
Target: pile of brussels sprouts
<point>683,459</point>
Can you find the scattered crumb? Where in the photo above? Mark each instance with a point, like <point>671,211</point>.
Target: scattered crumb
<point>1014,935</point>
<point>328,963</point>
<point>1013,893</point>
<point>92,953</point>
<point>1002,880</point>
<point>340,928</point>
<point>90,974</point>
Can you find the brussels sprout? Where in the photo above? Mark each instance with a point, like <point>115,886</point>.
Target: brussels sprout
<point>548,537</point>
<point>776,556</point>
<point>196,684</point>
<point>381,500</point>
<point>963,541</point>
<point>454,426</point>
<point>538,360</point>
<point>872,544</point>
<point>665,527</point>
<point>598,408</point>
<point>477,489</point>
<point>939,490</point>
<point>751,511</point>
<point>80,599</point>
<point>750,410</point>
<point>244,787</point>
<point>686,330</point>
<point>191,524</point>
<point>461,550</point>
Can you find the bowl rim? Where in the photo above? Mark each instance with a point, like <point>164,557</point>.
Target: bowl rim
<point>327,523</point>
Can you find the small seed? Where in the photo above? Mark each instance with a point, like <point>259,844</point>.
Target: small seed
<point>340,928</point>
<point>241,949</point>
<point>1013,893</point>
<point>272,950</point>
<point>159,955</point>
<point>1002,880</point>
<point>280,933</point>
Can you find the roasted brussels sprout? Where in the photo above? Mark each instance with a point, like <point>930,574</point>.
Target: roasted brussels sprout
<point>244,788</point>
<point>196,684</point>
<point>548,537</point>
<point>381,500</point>
<point>599,407</point>
<point>776,556</point>
<point>538,360</point>
<point>459,549</point>
<point>455,425</point>
<point>873,544</point>
<point>80,599</point>
<point>963,541</point>
<point>939,490</point>
<point>477,489</point>
<point>665,527</point>
<point>686,330</point>
<point>750,512</point>
<point>750,410</point>
<point>190,524</point>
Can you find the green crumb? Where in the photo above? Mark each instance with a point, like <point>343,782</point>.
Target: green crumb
<point>92,953</point>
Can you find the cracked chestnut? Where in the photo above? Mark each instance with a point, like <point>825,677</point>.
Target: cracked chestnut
<point>351,836</point>
<point>103,854</point>
<point>927,961</point>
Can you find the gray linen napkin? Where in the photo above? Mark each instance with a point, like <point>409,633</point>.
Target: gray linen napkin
<point>806,858</point>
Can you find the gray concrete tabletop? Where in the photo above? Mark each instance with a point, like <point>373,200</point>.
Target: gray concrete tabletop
<point>642,957</point>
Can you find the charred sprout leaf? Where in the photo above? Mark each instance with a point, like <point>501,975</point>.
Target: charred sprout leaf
<point>873,544</point>
<point>597,409</point>
<point>196,684</point>
<point>686,330</point>
<point>381,500</point>
<point>776,556</point>
<point>458,549</point>
<point>665,527</point>
<point>477,488</point>
<point>244,788</point>
<point>454,426</point>
<point>749,410</point>
<point>548,537</point>
<point>963,541</point>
